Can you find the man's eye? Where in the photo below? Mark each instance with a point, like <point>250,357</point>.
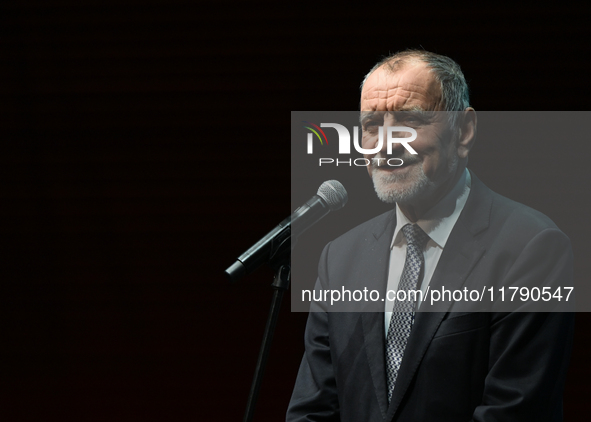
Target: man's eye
<point>414,123</point>
<point>412,119</point>
<point>371,128</point>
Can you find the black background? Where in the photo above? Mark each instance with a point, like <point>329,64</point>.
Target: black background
<point>144,147</point>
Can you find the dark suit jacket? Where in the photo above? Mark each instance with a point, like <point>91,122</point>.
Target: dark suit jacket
<point>458,366</point>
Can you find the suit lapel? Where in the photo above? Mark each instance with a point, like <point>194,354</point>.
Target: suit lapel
<point>460,255</point>
<point>373,330</point>
<point>373,322</point>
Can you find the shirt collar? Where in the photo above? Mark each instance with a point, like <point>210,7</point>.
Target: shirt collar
<point>439,221</point>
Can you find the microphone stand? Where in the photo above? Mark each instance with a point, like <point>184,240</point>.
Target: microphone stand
<point>280,285</point>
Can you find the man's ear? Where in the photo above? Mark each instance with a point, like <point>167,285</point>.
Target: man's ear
<point>467,120</point>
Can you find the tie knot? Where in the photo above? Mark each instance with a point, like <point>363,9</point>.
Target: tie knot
<point>415,235</point>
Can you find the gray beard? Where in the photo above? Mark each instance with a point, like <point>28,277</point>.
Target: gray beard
<point>420,187</point>
<point>403,195</point>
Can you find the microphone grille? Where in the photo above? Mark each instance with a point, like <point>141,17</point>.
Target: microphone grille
<point>334,194</point>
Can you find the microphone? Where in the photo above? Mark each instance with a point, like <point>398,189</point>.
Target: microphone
<point>331,196</point>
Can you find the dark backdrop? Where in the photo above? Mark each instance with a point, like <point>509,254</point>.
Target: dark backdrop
<point>144,147</point>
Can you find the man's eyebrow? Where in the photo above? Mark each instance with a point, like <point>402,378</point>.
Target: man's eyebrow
<point>416,109</point>
<point>367,115</point>
<point>411,108</point>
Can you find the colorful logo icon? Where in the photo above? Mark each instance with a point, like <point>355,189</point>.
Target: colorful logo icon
<point>316,132</point>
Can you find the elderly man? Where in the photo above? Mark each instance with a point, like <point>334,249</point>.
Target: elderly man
<point>446,229</point>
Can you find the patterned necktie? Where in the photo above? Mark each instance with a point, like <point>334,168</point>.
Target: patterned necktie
<point>403,311</point>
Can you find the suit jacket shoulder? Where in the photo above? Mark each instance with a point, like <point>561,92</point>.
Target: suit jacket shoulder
<point>506,366</point>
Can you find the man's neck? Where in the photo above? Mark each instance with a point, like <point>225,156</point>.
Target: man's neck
<point>417,210</point>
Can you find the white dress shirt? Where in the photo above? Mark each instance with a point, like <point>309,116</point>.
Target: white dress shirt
<point>437,223</point>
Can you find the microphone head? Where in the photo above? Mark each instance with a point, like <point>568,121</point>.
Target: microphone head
<point>334,194</point>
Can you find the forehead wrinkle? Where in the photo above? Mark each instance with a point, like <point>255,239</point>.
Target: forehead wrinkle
<point>401,98</point>
<point>397,102</point>
<point>389,91</point>
<point>393,98</point>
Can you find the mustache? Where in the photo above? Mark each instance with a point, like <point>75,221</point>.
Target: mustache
<point>380,160</point>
